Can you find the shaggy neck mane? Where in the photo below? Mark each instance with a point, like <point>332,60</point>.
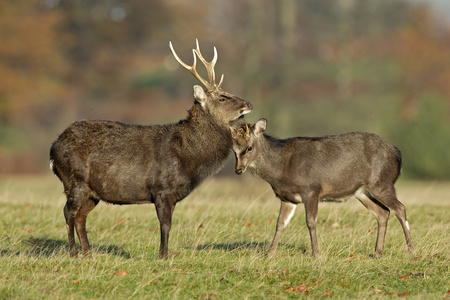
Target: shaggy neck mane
<point>210,139</point>
<point>197,115</point>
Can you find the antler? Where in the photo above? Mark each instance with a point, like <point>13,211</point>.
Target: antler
<point>208,65</point>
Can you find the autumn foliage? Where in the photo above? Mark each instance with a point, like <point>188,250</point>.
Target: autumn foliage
<point>354,65</point>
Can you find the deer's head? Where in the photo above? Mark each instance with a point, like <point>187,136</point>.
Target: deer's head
<point>223,106</point>
<point>246,142</point>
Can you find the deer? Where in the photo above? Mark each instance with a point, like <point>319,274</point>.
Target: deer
<point>125,164</point>
<point>329,168</point>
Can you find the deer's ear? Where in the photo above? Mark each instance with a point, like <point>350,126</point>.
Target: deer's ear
<point>260,127</point>
<point>200,95</point>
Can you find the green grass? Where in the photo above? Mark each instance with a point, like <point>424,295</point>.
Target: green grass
<point>221,231</point>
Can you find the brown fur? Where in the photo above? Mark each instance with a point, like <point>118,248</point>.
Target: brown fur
<point>310,170</point>
<point>134,164</point>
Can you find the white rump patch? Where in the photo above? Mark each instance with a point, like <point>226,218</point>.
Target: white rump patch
<point>407,225</point>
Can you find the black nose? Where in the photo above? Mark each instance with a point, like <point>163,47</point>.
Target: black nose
<point>238,171</point>
<point>250,105</point>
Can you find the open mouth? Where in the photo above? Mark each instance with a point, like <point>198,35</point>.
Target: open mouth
<point>248,109</point>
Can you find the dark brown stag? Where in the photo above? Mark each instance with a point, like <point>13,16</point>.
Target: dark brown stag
<point>134,164</point>
<point>310,170</point>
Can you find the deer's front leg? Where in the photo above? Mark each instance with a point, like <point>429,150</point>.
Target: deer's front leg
<point>287,210</point>
<point>311,211</point>
<point>164,209</point>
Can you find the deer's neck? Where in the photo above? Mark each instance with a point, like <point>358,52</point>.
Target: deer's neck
<point>271,159</point>
<point>204,126</point>
<point>205,143</point>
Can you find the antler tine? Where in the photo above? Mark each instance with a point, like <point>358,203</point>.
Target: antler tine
<point>192,68</point>
<point>220,82</point>
<point>208,65</point>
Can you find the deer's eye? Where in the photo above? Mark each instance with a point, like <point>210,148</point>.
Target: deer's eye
<point>250,149</point>
<point>222,99</point>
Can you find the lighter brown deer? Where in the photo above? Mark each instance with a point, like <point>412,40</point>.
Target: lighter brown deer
<point>310,170</point>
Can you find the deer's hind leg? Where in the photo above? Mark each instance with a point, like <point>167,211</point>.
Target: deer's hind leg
<point>80,222</point>
<point>387,197</point>
<point>76,196</point>
<point>381,213</point>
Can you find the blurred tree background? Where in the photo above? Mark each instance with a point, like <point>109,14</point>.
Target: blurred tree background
<point>311,67</point>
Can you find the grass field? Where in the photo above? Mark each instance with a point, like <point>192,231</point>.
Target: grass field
<point>221,232</point>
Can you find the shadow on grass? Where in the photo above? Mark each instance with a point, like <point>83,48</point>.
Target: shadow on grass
<point>46,247</point>
<point>262,247</point>
<point>234,246</point>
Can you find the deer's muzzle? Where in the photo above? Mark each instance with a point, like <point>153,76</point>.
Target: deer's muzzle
<point>247,109</point>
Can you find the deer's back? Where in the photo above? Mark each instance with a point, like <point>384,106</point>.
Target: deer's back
<point>105,142</point>
<point>345,153</point>
<point>339,164</point>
